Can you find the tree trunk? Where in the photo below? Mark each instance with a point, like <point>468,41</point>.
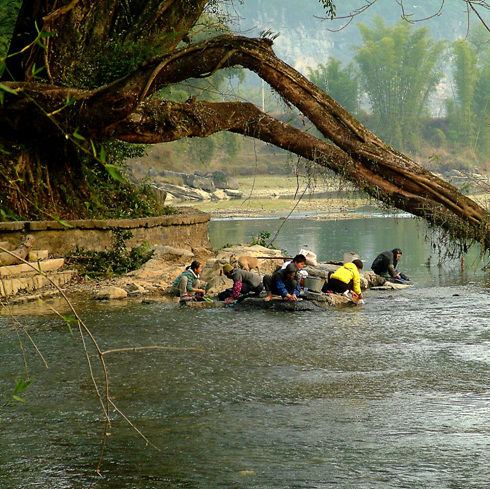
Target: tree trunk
<point>125,109</point>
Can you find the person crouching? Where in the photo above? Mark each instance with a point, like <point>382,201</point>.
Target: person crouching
<point>188,282</point>
<point>346,278</point>
<point>244,283</point>
<point>283,282</point>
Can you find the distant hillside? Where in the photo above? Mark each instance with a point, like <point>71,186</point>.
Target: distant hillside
<point>303,36</point>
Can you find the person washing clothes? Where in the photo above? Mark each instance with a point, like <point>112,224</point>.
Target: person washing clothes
<point>385,264</point>
<point>346,279</point>
<point>284,282</point>
<point>188,282</point>
<point>244,282</point>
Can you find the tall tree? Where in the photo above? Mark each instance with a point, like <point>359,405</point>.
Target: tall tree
<point>398,72</point>
<point>469,108</point>
<point>41,118</point>
<point>340,83</point>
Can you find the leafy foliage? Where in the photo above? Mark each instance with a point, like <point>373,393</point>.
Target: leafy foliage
<point>398,71</point>
<point>20,386</point>
<point>262,239</point>
<point>8,14</point>
<point>469,110</point>
<point>117,261</point>
<point>340,83</point>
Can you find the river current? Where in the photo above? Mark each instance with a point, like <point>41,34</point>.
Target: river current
<point>393,394</point>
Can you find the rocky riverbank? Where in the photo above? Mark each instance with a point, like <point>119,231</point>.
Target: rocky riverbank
<point>151,283</point>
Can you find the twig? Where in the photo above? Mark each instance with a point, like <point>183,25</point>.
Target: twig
<point>292,210</point>
<point>105,399</point>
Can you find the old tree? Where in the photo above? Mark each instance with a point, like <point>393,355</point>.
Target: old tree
<point>60,104</point>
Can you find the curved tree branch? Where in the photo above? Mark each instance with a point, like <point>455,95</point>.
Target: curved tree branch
<point>429,198</point>
<point>354,151</point>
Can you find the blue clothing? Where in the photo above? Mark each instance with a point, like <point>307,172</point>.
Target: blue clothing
<point>280,284</point>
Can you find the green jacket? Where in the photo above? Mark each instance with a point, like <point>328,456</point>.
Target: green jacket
<point>191,278</point>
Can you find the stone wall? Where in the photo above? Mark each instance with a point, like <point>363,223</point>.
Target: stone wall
<point>188,228</point>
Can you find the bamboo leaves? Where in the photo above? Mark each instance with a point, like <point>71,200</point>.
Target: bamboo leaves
<point>20,386</point>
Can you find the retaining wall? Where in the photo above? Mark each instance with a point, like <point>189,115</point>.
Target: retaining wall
<point>188,228</point>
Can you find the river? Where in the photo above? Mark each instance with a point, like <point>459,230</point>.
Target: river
<point>393,394</point>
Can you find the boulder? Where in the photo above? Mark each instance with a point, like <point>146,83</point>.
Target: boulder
<point>219,195</point>
<point>111,293</point>
<point>197,181</point>
<point>217,284</point>
<point>233,194</point>
<point>171,174</point>
<point>181,193</point>
<point>159,194</point>
<point>164,259</point>
<point>222,181</point>
<point>267,266</point>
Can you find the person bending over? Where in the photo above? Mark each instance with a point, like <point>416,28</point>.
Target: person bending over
<point>346,278</point>
<point>283,282</point>
<point>385,264</point>
<point>244,283</point>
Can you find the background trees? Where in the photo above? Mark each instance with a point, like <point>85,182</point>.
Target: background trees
<point>468,110</point>
<point>399,70</point>
<point>340,83</point>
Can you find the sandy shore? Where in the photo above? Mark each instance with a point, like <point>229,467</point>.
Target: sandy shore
<point>284,202</point>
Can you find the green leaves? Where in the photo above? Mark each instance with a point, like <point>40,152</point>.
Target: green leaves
<point>5,88</point>
<point>329,7</point>
<point>69,320</point>
<point>42,35</point>
<point>399,70</point>
<point>20,386</point>
<point>113,171</point>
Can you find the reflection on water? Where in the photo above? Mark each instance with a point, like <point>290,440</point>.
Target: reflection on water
<point>368,237</point>
<point>393,394</point>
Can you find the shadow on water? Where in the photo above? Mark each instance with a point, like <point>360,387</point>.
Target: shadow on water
<point>393,394</point>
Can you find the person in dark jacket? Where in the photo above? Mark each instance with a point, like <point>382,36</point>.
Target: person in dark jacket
<point>283,282</point>
<point>385,264</point>
<point>244,283</point>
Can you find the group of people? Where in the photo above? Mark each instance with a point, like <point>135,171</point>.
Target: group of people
<point>286,281</point>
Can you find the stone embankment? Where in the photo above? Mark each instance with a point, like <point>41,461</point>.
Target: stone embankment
<point>187,228</point>
<point>37,272</point>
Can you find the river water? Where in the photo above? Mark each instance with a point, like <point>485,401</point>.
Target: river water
<point>394,394</point>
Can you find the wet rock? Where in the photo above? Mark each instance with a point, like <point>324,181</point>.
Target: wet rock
<point>204,305</point>
<point>277,305</point>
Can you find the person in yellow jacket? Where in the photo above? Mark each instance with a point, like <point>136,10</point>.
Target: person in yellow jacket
<point>346,278</point>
